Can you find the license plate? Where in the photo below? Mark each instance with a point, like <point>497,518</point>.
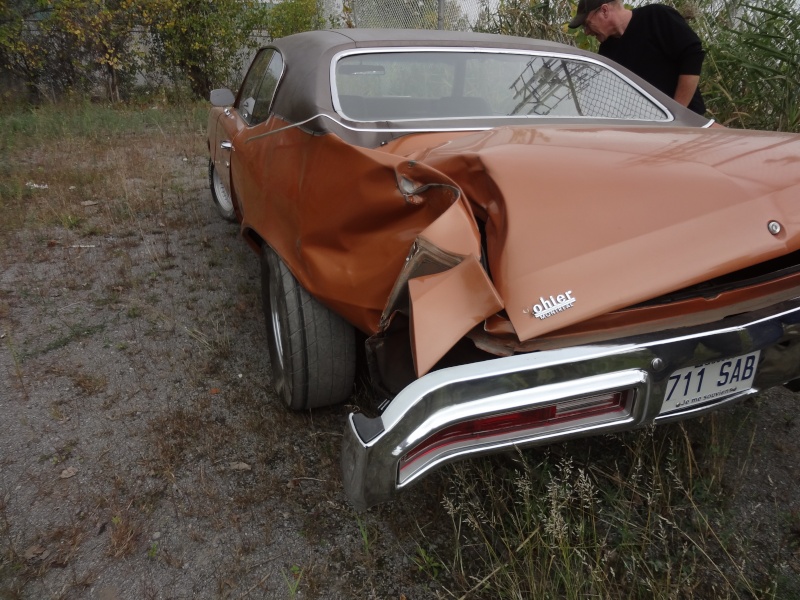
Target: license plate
<point>709,382</point>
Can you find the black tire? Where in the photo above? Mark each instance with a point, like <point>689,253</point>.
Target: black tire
<point>311,349</point>
<point>220,195</point>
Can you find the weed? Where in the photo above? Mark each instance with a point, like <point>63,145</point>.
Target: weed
<point>55,411</point>
<point>124,535</point>
<point>427,562</point>
<point>15,357</point>
<point>69,221</point>
<point>89,384</point>
<point>63,452</point>
<point>366,537</point>
<point>293,580</point>
<point>217,342</point>
<point>76,332</point>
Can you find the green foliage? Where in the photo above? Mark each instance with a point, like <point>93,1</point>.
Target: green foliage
<point>428,562</point>
<point>292,580</point>
<point>527,18</point>
<point>28,128</point>
<point>201,40</point>
<point>63,47</point>
<point>752,69</point>
<point>293,16</point>
<point>69,46</point>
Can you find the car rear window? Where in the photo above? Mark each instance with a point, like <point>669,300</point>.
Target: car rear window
<point>436,84</point>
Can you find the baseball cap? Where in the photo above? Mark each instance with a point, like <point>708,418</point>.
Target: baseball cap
<point>584,8</point>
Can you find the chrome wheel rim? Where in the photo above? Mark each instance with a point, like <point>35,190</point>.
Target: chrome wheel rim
<point>221,194</point>
<point>279,370</point>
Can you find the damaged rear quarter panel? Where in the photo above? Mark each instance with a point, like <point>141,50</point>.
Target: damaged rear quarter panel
<point>334,213</point>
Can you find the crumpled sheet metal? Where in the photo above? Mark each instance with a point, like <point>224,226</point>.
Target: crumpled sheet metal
<point>445,307</point>
<point>342,225</point>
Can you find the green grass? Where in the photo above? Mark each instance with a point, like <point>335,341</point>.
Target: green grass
<point>29,126</point>
<point>80,167</point>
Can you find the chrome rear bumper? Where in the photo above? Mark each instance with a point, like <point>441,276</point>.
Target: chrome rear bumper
<point>378,454</point>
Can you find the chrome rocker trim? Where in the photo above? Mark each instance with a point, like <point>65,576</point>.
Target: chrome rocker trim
<point>373,449</point>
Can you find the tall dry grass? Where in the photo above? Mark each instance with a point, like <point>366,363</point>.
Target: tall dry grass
<point>752,68</point>
<point>640,515</point>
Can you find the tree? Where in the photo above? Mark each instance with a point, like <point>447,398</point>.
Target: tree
<point>104,32</point>
<point>65,46</point>
<point>201,40</point>
<point>293,16</point>
<point>20,54</point>
<point>527,18</point>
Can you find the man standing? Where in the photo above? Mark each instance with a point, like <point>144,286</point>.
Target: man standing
<point>653,41</point>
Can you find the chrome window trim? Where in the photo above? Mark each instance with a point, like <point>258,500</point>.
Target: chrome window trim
<point>473,49</point>
<point>363,129</point>
<point>274,92</point>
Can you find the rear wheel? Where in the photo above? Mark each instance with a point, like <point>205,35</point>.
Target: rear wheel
<point>219,194</point>
<point>311,349</point>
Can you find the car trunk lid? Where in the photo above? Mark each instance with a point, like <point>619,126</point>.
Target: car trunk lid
<point>579,224</point>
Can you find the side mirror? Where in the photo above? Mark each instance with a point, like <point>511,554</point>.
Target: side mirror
<point>222,97</point>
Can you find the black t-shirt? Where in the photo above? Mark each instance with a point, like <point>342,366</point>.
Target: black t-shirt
<point>658,45</point>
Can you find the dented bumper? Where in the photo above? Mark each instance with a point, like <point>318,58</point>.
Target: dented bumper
<point>546,397</point>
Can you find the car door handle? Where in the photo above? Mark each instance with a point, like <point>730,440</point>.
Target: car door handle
<point>226,145</point>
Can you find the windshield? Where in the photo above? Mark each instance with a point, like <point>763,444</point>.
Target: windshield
<point>446,84</point>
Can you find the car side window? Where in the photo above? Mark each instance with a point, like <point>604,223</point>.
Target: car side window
<point>267,90</point>
<point>258,88</point>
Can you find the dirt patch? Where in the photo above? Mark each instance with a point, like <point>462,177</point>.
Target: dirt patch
<point>762,480</point>
<point>143,453</point>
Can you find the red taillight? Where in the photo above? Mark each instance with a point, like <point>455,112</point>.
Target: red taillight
<point>503,424</point>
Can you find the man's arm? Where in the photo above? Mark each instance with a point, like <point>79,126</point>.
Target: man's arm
<point>684,91</point>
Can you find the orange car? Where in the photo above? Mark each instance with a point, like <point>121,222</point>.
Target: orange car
<point>532,243</point>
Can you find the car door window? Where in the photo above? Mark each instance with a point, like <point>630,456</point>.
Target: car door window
<point>267,89</point>
<point>258,88</point>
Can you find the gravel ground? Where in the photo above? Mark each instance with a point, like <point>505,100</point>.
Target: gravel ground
<point>143,453</point>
